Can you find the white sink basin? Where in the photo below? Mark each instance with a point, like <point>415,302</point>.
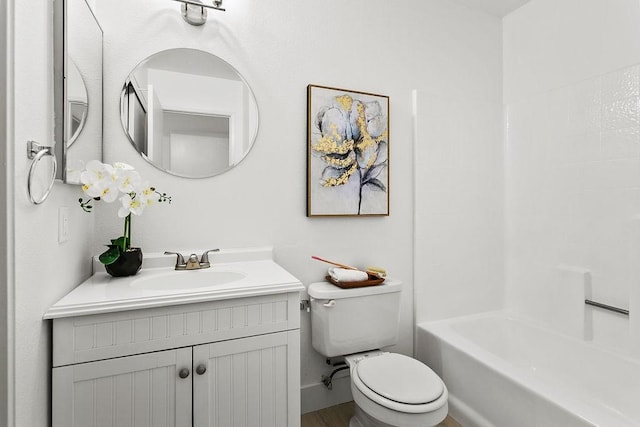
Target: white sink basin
<point>234,273</point>
<point>174,280</point>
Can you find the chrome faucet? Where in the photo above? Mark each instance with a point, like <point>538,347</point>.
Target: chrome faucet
<point>192,263</point>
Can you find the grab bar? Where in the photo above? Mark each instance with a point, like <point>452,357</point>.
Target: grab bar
<point>607,307</point>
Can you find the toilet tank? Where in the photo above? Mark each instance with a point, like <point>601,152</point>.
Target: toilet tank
<point>346,321</point>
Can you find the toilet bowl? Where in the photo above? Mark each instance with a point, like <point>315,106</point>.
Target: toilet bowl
<point>395,390</point>
<point>389,389</point>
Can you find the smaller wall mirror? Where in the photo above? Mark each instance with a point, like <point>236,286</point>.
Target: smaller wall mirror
<point>189,113</point>
<point>77,87</point>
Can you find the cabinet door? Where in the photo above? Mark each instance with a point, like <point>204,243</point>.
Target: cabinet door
<point>134,391</point>
<point>248,382</point>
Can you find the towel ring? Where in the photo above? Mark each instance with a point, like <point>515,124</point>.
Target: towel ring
<point>36,152</point>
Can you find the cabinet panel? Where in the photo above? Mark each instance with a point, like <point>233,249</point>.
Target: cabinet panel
<point>134,391</point>
<point>110,335</point>
<point>249,382</point>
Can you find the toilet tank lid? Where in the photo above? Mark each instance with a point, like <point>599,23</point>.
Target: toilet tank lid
<point>325,290</point>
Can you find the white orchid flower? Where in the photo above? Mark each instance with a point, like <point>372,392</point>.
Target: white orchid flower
<point>128,180</point>
<point>92,176</point>
<point>99,180</point>
<point>145,193</point>
<point>123,166</point>
<point>130,205</point>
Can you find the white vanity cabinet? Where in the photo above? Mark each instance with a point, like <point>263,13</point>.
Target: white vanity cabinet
<point>241,382</point>
<point>247,382</point>
<point>141,390</point>
<point>206,360</point>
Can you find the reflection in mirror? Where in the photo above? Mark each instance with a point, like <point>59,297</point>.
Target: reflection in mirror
<point>77,104</point>
<point>189,113</point>
<point>77,87</point>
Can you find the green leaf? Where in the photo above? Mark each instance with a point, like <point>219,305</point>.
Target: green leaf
<point>119,242</point>
<point>110,256</point>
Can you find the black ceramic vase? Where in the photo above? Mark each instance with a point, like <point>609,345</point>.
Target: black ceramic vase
<point>128,264</point>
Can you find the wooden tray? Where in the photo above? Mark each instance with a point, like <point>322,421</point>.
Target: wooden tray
<point>373,280</point>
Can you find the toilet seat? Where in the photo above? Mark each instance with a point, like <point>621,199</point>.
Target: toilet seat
<point>400,378</point>
<point>399,383</point>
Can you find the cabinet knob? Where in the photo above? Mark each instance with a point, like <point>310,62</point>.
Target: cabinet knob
<point>184,373</point>
<point>201,369</point>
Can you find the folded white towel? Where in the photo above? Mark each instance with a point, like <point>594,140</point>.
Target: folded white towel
<point>345,275</point>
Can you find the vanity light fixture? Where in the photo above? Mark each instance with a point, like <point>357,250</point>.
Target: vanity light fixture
<point>195,11</point>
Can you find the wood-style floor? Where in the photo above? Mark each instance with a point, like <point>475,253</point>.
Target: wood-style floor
<point>339,416</point>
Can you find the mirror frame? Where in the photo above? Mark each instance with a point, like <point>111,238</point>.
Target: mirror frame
<point>123,99</point>
<point>60,75</point>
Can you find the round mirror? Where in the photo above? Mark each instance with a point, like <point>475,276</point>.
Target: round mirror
<point>189,113</point>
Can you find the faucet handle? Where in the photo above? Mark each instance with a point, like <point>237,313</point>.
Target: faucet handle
<point>205,256</point>
<point>192,262</point>
<point>179,260</point>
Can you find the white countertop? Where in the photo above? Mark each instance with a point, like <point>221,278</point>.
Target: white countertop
<point>102,293</point>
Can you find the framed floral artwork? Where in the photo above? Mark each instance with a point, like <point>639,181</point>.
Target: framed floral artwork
<point>347,152</point>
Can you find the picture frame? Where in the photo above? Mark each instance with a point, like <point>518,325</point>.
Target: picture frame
<point>347,152</point>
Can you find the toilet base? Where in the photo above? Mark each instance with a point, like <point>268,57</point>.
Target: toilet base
<point>363,419</point>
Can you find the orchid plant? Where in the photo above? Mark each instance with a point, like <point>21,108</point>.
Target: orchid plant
<point>105,182</point>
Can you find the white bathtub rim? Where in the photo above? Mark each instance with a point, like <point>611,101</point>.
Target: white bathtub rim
<point>512,315</point>
<point>555,394</point>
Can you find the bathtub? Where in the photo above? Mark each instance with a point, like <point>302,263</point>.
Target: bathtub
<point>508,372</point>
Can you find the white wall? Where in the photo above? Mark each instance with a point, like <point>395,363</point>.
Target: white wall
<point>43,269</point>
<point>458,225</point>
<point>280,47</point>
<point>572,94</point>
<point>550,44</point>
<point>459,218</point>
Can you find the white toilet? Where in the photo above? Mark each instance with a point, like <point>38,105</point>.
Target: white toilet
<point>389,389</point>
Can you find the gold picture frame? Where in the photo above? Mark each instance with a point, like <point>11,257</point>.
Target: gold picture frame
<point>347,152</point>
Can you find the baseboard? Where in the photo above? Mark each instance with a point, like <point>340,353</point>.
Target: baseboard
<point>316,396</point>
